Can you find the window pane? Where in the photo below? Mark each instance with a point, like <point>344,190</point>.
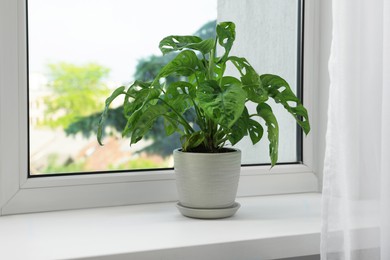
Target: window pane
<point>267,35</point>
<point>79,51</point>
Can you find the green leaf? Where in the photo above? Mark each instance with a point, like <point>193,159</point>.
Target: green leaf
<point>178,43</point>
<point>114,95</point>
<point>179,96</point>
<point>204,46</point>
<point>170,125</point>
<point>137,96</point>
<point>144,121</point>
<point>181,88</point>
<point>223,104</point>
<point>251,81</point>
<point>241,64</point>
<point>243,126</point>
<point>132,120</point>
<point>175,114</point>
<point>180,103</point>
<point>265,112</point>
<point>184,64</point>
<point>226,34</point>
<point>240,128</point>
<point>255,131</point>
<point>280,91</point>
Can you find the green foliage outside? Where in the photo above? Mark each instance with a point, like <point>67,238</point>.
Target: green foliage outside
<point>139,163</point>
<point>75,92</point>
<point>55,166</point>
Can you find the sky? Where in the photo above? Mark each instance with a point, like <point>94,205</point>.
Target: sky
<point>112,33</point>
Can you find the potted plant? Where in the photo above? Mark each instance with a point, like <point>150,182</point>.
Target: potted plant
<point>207,168</point>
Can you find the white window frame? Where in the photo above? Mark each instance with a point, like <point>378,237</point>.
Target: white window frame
<point>19,194</point>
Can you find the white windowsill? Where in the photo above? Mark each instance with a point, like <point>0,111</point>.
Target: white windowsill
<point>265,227</point>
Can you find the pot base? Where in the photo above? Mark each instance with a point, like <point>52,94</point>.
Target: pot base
<point>208,213</point>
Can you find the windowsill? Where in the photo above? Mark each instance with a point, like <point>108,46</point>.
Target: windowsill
<point>265,227</point>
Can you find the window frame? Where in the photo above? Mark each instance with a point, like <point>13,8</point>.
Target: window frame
<point>20,194</point>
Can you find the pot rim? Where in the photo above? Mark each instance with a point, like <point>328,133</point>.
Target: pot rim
<point>232,150</point>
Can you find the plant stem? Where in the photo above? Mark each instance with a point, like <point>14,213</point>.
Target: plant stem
<point>211,64</point>
<point>223,140</point>
<point>212,132</point>
<point>198,115</point>
<point>212,59</point>
<point>223,68</point>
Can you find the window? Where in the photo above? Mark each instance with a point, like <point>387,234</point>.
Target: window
<point>22,194</point>
<point>75,63</point>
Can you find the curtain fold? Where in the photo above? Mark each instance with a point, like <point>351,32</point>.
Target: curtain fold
<point>356,196</point>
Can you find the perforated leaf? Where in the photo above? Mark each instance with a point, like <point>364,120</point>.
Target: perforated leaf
<point>265,112</point>
<point>280,91</point>
<point>178,43</point>
<point>226,33</point>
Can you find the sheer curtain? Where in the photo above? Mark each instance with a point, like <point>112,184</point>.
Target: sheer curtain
<point>356,190</point>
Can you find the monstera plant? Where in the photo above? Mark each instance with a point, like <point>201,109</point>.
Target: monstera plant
<point>222,117</point>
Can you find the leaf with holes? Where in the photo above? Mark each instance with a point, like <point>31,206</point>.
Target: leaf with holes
<point>255,131</point>
<point>137,97</point>
<point>178,43</point>
<point>250,80</point>
<point>226,34</point>
<point>265,112</point>
<point>280,91</point>
<point>181,88</point>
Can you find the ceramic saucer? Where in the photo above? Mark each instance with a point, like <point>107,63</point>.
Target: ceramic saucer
<point>208,213</point>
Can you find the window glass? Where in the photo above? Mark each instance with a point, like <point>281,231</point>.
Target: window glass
<point>268,35</point>
<point>79,51</point>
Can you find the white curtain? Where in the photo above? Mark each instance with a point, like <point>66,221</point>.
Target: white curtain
<point>356,190</point>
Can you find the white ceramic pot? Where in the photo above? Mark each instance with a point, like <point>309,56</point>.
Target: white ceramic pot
<point>207,180</point>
